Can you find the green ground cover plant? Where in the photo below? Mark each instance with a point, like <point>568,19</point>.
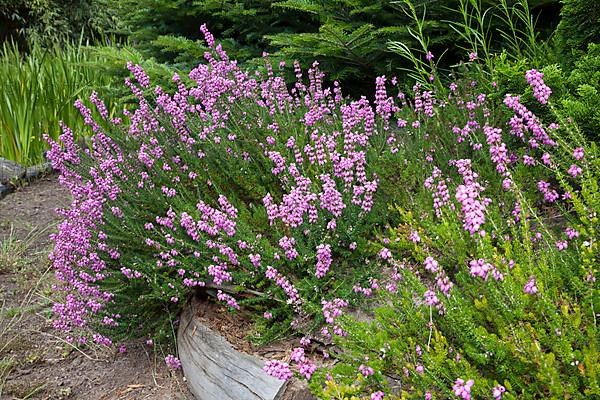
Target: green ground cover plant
<point>493,290</point>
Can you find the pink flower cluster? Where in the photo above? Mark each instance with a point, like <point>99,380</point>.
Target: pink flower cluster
<point>481,268</point>
<point>173,362</point>
<point>439,191</point>
<point>323,260</point>
<point>306,368</point>
<point>468,194</point>
<point>462,389</point>
<point>278,369</point>
<point>540,90</point>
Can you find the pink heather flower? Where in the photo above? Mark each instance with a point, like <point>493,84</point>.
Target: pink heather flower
<point>149,342</point>
<point>420,370</point>
<point>255,259</point>
<point>323,260</point>
<point>414,237</point>
<point>472,56</point>
<point>571,233</point>
<point>288,243</point>
<point>578,153</point>
<point>498,391</point>
<point>575,171</point>
<point>428,395</point>
<point>278,369</point>
<point>444,283</point>
<point>366,371</point>
<point>333,309</point>
<point>528,160</point>
<point>431,298</point>
<point>480,268</point>
<point>352,246</point>
<point>305,367</point>
<point>385,253</point>
<point>546,159</point>
<point>473,207</point>
<point>562,245</point>
<point>281,281</point>
<point>530,287</point>
<point>172,362</point>
<point>550,195</point>
<point>122,349</point>
<point>462,389</point>
<point>540,91</point>
<point>431,265</point>
<point>429,56</point>
<point>208,37</point>
<point>139,74</point>
<point>304,341</point>
<point>267,315</point>
<point>379,395</point>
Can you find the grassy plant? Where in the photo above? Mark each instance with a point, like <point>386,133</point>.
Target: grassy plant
<point>38,91</point>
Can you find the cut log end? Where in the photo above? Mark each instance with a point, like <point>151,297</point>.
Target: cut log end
<point>215,370</point>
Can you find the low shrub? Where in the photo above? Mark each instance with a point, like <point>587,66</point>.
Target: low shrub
<point>233,185</point>
<point>493,291</point>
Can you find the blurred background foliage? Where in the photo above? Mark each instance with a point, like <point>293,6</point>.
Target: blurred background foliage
<point>353,40</point>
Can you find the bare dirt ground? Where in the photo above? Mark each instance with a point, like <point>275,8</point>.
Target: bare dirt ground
<point>35,363</point>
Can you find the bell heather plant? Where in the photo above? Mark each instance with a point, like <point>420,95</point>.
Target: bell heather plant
<point>234,185</point>
<point>494,262</point>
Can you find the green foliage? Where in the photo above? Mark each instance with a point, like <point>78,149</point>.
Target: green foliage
<point>542,345</point>
<point>349,38</point>
<point>353,35</point>
<point>40,87</point>
<point>169,29</point>
<point>54,21</point>
<point>579,26</point>
<point>38,91</point>
<point>582,100</point>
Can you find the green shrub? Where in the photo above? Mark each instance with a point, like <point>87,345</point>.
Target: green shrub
<point>520,317</point>
<point>579,26</point>
<point>54,21</point>
<point>581,102</point>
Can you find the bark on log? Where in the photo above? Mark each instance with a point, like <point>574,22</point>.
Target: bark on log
<point>215,370</point>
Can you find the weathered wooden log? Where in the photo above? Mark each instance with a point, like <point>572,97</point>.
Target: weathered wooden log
<point>215,370</point>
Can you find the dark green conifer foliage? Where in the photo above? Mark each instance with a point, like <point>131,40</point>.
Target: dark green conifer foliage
<point>579,26</point>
